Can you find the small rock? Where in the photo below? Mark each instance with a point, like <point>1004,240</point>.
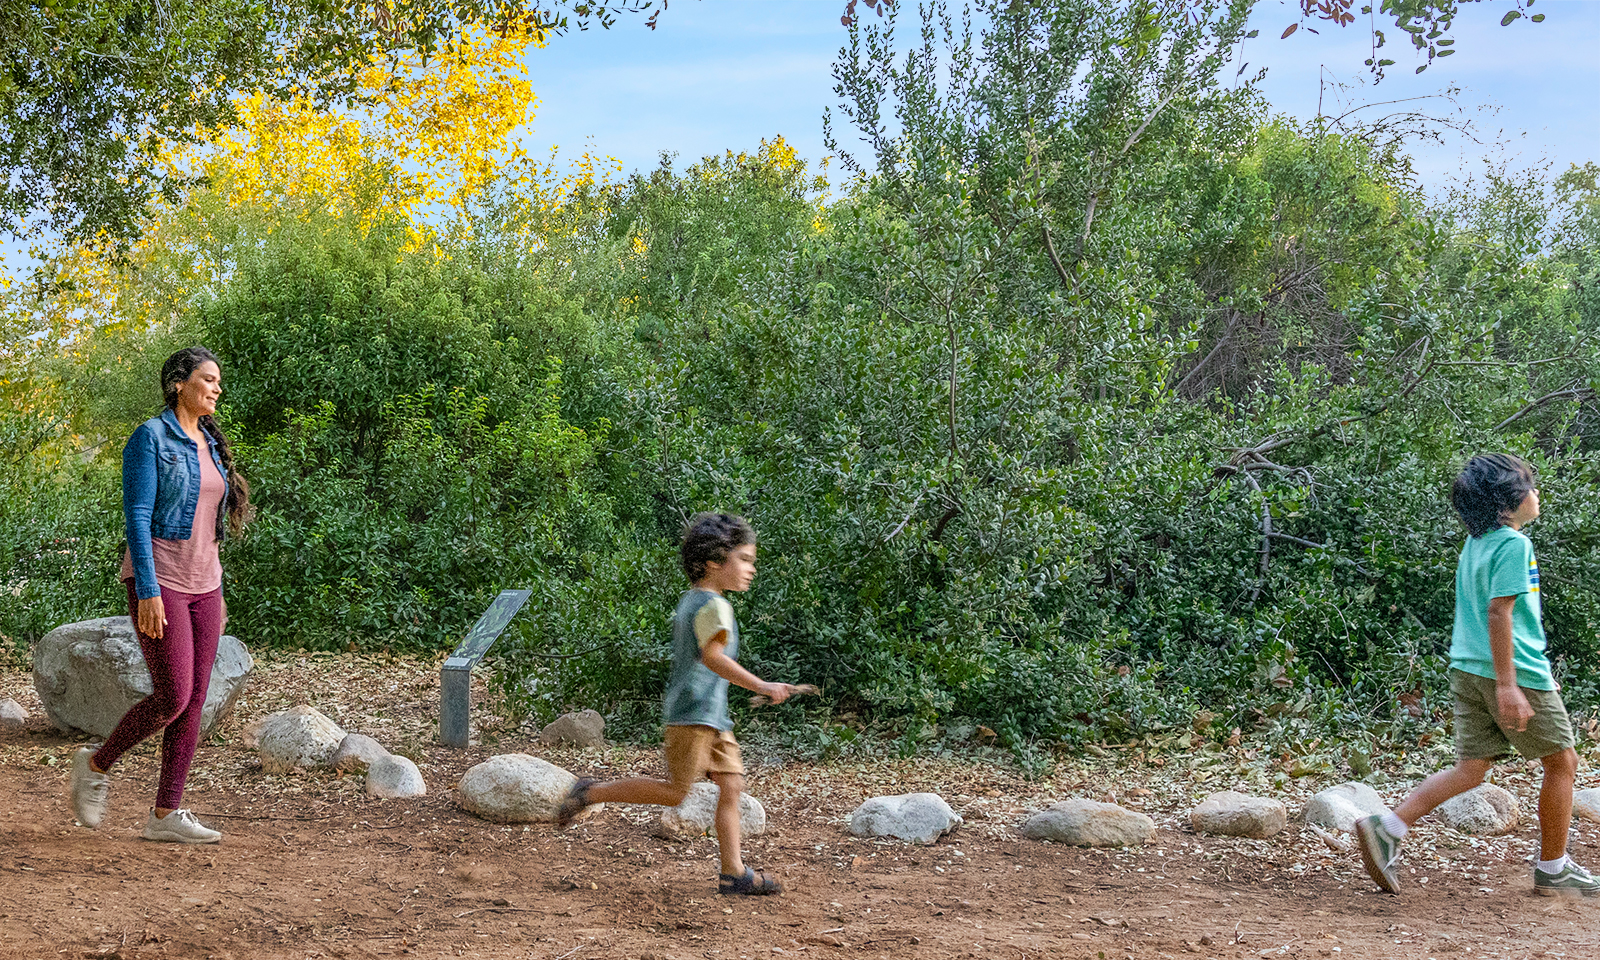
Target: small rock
<point>1586,804</point>
<point>914,817</point>
<point>300,737</point>
<point>1486,810</point>
<point>357,753</point>
<point>696,815</point>
<point>89,674</point>
<point>12,716</point>
<point>394,778</point>
<point>1089,823</point>
<point>586,728</point>
<point>1339,807</point>
<point>1231,814</point>
<point>515,788</point>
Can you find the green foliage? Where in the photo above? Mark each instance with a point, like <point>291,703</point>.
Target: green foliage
<point>1102,407</point>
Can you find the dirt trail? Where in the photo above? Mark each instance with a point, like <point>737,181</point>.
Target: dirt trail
<point>311,867</point>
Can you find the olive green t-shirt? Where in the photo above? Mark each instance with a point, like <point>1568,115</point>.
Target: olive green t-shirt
<point>695,695</point>
<point>1499,564</point>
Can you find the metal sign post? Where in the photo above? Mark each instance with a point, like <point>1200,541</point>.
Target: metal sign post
<point>455,679</point>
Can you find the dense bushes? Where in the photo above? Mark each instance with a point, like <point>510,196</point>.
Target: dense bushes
<point>1100,404</point>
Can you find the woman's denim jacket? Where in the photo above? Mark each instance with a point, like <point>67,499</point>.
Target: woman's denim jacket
<point>160,490</point>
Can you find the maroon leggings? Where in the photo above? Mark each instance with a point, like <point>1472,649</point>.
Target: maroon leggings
<point>180,672</point>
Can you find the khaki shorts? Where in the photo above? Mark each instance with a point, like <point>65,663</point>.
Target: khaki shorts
<point>1480,735</point>
<point>693,751</point>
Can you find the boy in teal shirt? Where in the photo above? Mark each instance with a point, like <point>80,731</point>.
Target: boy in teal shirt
<point>719,555</point>
<point>1504,693</point>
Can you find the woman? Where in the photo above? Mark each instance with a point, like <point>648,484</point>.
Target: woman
<point>180,497</point>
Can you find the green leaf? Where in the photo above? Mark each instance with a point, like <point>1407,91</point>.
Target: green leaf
<point>1445,53</point>
<point>1511,15</point>
<point>1537,18</point>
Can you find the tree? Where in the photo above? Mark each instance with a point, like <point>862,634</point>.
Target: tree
<point>94,93</point>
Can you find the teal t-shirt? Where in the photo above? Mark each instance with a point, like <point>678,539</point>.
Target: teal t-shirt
<point>1500,564</point>
<point>695,695</point>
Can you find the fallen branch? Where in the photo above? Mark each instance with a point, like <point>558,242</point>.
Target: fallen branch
<point>1577,393</point>
<point>465,913</point>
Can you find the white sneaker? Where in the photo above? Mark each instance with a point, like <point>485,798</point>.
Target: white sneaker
<point>90,790</point>
<point>179,826</point>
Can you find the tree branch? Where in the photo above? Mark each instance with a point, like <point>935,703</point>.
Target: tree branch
<point>1577,393</point>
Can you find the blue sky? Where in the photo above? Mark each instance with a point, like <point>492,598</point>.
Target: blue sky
<point>720,74</point>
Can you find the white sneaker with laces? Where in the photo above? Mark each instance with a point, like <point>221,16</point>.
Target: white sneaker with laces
<point>90,790</point>
<point>179,826</point>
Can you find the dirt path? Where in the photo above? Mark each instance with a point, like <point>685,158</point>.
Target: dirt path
<point>311,867</point>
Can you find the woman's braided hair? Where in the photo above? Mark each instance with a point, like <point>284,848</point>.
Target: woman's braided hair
<point>179,368</point>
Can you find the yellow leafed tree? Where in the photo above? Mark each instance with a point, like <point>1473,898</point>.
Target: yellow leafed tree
<point>428,138</point>
<point>433,135</point>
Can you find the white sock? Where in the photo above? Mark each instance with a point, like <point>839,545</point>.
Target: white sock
<point>1397,828</point>
<point>1553,866</point>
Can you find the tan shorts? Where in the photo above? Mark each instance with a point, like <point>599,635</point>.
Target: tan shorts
<point>1479,734</point>
<point>693,751</point>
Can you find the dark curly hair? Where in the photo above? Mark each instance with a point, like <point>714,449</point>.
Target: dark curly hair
<point>709,538</point>
<point>1490,487</point>
<point>179,368</point>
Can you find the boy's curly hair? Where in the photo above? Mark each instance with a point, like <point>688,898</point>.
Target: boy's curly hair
<point>709,538</point>
<point>1490,486</point>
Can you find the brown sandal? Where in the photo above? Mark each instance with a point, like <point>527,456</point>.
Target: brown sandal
<point>754,883</point>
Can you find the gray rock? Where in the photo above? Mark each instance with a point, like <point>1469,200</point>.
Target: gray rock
<point>357,753</point>
<point>394,778</point>
<point>88,674</point>
<point>1486,810</point>
<point>1339,807</point>
<point>586,728</point>
<point>1586,804</point>
<point>12,716</point>
<point>514,788</point>
<point>696,815</point>
<point>1089,823</point>
<point>1231,814</point>
<point>915,817</point>
<point>298,738</point>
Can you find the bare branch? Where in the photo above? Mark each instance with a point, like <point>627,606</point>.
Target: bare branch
<point>1573,392</point>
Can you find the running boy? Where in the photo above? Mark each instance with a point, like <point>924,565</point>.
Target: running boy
<point>1500,678</point>
<point>719,555</point>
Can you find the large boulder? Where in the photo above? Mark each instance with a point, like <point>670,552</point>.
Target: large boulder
<point>514,788</point>
<point>394,778</point>
<point>915,817</point>
<point>1339,807</point>
<point>696,815</point>
<point>88,674</point>
<point>586,728</point>
<point>1231,814</point>
<point>298,738</point>
<point>1089,823</point>
<point>1486,810</point>
<point>356,753</point>
<point>1586,804</point>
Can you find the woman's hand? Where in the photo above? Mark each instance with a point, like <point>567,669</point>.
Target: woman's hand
<point>152,617</point>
